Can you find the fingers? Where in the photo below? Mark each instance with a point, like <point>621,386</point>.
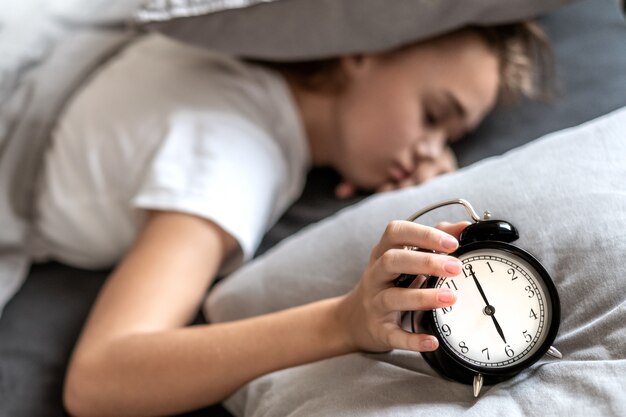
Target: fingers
<point>400,233</point>
<point>402,299</point>
<point>401,261</point>
<point>430,168</point>
<point>400,339</point>
<point>345,190</point>
<point>412,299</point>
<point>390,258</point>
<point>453,229</point>
<point>425,170</point>
<point>388,186</point>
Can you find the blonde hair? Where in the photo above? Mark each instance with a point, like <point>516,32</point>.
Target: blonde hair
<point>525,59</point>
<point>523,51</point>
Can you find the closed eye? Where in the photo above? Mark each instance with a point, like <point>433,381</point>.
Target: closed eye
<point>430,119</point>
<point>434,118</point>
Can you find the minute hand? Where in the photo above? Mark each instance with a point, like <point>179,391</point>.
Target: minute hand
<point>493,317</point>
<point>480,289</point>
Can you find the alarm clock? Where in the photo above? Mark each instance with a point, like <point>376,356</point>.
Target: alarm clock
<point>507,312</point>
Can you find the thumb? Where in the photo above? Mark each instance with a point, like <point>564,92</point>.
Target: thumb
<point>345,190</point>
<point>454,229</point>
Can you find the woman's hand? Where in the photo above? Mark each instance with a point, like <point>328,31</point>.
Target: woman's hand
<point>371,311</point>
<point>424,170</point>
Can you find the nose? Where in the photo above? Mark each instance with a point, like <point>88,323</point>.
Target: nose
<point>431,145</point>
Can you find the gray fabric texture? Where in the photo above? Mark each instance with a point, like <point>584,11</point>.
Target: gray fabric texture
<point>311,29</point>
<point>566,194</point>
<point>47,61</point>
<point>42,321</point>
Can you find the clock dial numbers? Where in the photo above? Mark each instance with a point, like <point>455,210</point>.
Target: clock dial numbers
<point>450,284</point>
<point>509,352</point>
<point>527,337</point>
<point>516,296</point>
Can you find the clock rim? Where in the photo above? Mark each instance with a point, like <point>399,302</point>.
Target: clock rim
<point>444,353</point>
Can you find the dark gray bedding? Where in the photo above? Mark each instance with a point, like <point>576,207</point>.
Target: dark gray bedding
<point>41,323</point>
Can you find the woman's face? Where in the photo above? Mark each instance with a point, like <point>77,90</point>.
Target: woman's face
<point>402,108</point>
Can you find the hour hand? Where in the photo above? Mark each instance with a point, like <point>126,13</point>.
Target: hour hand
<point>498,328</point>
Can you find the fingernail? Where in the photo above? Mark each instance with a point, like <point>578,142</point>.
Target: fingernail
<point>446,296</point>
<point>448,242</point>
<point>452,266</point>
<point>428,344</point>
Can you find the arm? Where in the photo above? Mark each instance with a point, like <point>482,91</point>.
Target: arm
<point>136,357</point>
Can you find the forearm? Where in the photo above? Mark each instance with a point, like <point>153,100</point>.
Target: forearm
<point>181,369</point>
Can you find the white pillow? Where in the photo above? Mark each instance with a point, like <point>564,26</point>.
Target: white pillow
<point>566,194</point>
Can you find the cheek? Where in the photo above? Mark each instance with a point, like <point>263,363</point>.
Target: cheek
<point>372,136</point>
<point>387,121</point>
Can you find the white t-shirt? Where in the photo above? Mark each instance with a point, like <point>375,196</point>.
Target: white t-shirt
<point>172,127</point>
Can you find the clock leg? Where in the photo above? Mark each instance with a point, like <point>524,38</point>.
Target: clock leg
<point>554,353</point>
<point>478,384</point>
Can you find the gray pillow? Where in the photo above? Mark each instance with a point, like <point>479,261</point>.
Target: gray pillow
<point>310,29</point>
<point>566,193</point>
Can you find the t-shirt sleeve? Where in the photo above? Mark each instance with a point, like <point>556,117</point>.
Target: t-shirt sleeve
<point>220,167</point>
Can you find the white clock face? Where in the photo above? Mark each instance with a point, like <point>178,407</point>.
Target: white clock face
<point>502,314</point>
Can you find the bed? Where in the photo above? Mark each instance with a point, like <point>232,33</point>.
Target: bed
<point>47,58</point>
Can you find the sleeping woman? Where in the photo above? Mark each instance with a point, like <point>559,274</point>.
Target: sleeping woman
<point>171,163</point>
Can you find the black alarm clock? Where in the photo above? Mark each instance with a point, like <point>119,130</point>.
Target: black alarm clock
<point>507,312</point>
